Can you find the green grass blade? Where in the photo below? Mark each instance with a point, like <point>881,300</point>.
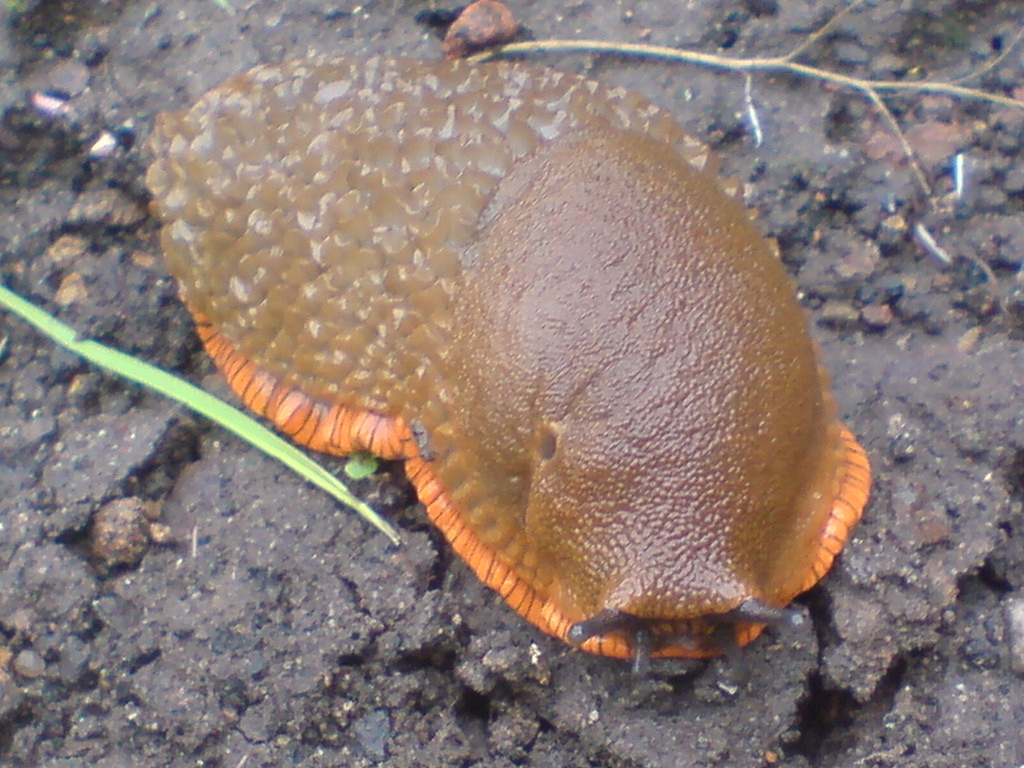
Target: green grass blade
<point>201,402</point>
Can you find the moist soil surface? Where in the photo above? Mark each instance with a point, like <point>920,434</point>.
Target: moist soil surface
<point>170,597</point>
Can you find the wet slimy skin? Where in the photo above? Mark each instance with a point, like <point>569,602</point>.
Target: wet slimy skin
<point>534,290</point>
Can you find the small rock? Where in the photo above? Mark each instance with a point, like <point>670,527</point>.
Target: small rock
<point>1013,182</point>
<point>29,664</point>
<point>74,657</point>
<point>103,146</point>
<point>969,341</point>
<point>71,290</point>
<point>107,207</point>
<point>160,533</point>
<point>69,76</point>
<point>903,438</point>
<point>896,224</point>
<point>121,531</point>
<point>877,317</point>
<point>857,260</point>
<point>839,314</point>
<point>372,731</point>
<point>483,23</point>
<point>67,248</point>
<point>257,724</point>
<point>22,620</point>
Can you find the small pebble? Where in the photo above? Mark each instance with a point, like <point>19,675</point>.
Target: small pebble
<point>839,314</point>
<point>372,731</point>
<point>49,106</point>
<point>896,224</point>
<point>1013,182</point>
<point>877,317</point>
<point>74,656</point>
<point>858,260</point>
<point>67,248</point>
<point>120,533</point>
<point>29,664</point>
<point>483,23</point>
<point>903,437</point>
<point>22,620</point>
<point>69,76</point>
<point>104,145</point>
<point>161,534</point>
<point>71,290</point>
<point>107,207</point>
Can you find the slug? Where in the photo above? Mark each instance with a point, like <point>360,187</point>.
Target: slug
<point>533,290</point>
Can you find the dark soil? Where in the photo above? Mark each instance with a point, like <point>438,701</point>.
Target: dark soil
<point>264,626</point>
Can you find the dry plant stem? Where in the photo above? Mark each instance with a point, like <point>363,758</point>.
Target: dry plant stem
<point>774,64</point>
<point>995,61</point>
<point>823,30</point>
<point>894,126</point>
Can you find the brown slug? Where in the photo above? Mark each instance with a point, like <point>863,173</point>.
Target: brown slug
<point>534,290</point>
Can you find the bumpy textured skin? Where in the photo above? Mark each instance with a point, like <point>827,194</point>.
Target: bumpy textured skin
<point>534,290</point>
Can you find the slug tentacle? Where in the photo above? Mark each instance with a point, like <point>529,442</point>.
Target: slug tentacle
<point>753,609</point>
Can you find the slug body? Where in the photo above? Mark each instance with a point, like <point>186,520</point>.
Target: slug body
<point>535,291</point>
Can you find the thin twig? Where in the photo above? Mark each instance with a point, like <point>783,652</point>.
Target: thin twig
<point>908,150</point>
<point>823,30</point>
<point>774,64</point>
<point>995,61</point>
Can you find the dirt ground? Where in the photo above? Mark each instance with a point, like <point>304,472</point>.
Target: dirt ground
<point>272,628</point>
